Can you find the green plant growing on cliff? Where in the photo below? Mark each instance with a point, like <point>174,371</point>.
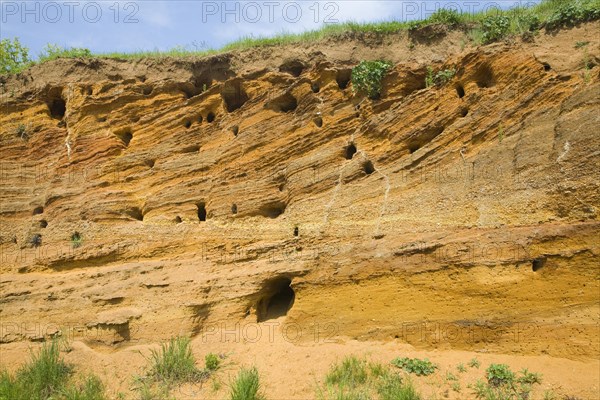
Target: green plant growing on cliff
<point>445,16</point>
<point>14,57</point>
<point>439,78</point>
<point>367,77</point>
<point>76,240</point>
<point>175,362</point>
<point>494,27</point>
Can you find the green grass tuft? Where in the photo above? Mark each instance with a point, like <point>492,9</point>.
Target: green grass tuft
<point>246,385</point>
<point>175,362</point>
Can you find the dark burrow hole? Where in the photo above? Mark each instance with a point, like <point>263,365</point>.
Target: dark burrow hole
<point>43,223</point>
<point>368,167</point>
<point>150,163</point>
<point>234,209</point>
<point>293,68</point>
<point>315,87</point>
<point>284,103</point>
<point>485,77</point>
<point>464,112</point>
<point>233,95</point>
<point>281,187</point>
<point>235,129</point>
<point>188,124</point>
<point>350,151</point>
<point>38,210</point>
<point>460,91</point>
<point>135,118</point>
<point>135,213</point>
<point>273,210</point>
<point>178,219</point>
<point>101,119</point>
<point>343,78</point>
<point>414,147</point>
<point>546,66</point>
<point>125,135</point>
<point>318,121</point>
<point>190,149</point>
<point>277,300</point>
<point>296,231</point>
<point>57,108</point>
<point>146,90</point>
<point>538,263</point>
<point>201,211</point>
<point>210,117</point>
<point>200,119</point>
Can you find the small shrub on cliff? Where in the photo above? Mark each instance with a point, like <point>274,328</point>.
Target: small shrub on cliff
<point>494,27</point>
<point>439,78</point>
<point>367,77</point>
<point>14,57</point>
<point>212,362</point>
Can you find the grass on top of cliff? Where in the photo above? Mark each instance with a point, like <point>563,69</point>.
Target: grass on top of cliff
<point>482,27</point>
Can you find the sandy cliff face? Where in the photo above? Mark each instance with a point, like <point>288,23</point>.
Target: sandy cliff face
<point>144,199</point>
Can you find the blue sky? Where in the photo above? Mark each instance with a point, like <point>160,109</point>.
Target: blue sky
<point>126,26</point>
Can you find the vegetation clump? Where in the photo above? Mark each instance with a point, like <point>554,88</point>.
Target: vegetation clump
<point>502,383</point>
<point>367,77</point>
<point>246,385</point>
<point>48,377</point>
<point>439,78</point>
<point>415,366</point>
<point>356,378</point>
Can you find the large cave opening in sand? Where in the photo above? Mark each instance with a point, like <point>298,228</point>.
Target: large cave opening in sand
<point>277,300</point>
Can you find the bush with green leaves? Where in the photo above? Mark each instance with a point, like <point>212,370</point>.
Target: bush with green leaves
<point>445,16</point>
<point>14,57</point>
<point>494,27</point>
<point>367,77</point>
<point>439,78</point>
<point>53,51</point>
<point>415,366</point>
<point>212,361</point>
<point>503,384</point>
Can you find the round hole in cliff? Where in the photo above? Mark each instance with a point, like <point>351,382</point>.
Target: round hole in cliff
<point>546,66</point>
<point>292,67</point>
<point>343,78</point>
<point>135,118</point>
<point>188,124</point>
<point>318,121</point>
<point>101,119</point>
<point>484,76</point>
<point>296,231</point>
<point>89,91</point>
<point>284,103</point>
<point>43,223</point>
<point>201,211</point>
<point>460,91</point>
<point>412,147</point>
<point>200,119</point>
<point>233,95</point>
<point>235,129</point>
<point>125,135</point>
<point>38,210</point>
<point>281,187</point>
<point>234,209</point>
<point>538,263</point>
<point>210,117</point>
<point>350,151</point>
<point>368,167</point>
<point>277,300</point>
<point>147,90</point>
<point>135,213</point>
<point>272,210</point>
<point>178,219</point>
<point>57,108</point>
<point>464,112</point>
<point>150,163</point>
<point>315,87</point>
